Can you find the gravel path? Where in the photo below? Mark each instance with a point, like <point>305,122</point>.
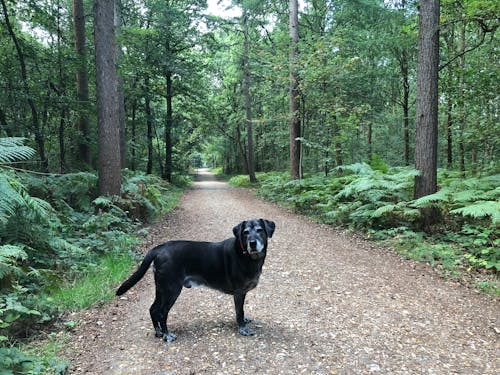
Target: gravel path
<point>327,303</point>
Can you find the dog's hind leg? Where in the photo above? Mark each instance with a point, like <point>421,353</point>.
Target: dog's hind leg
<point>155,313</point>
<point>169,295</point>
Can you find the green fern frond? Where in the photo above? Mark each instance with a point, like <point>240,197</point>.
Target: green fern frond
<point>10,255</point>
<point>481,209</point>
<point>431,200</point>
<point>12,149</point>
<point>356,168</point>
<point>10,198</point>
<point>384,210</point>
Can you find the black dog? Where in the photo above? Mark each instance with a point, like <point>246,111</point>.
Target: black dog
<point>232,266</point>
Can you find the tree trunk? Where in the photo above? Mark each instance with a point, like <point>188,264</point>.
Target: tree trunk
<point>107,99</point>
<point>121,100</point>
<point>149,123</point>
<point>248,105</point>
<point>449,134</point>
<point>295,144</point>
<point>82,84</point>
<point>406,105</point>
<point>427,106</point>
<point>461,102</point>
<point>35,122</point>
<point>133,126</point>
<point>168,130</point>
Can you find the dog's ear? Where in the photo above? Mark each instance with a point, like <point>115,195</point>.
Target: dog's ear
<point>269,226</point>
<point>237,229</point>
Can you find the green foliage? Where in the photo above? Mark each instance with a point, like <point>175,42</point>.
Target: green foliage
<point>13,361</point>
<point>12,149</point>
<point>95,285</point>
<point>61,243</point>
<point>360,197</point>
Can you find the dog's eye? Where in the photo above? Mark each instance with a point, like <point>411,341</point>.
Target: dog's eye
<point>246,232</point>
<point>260,230</point>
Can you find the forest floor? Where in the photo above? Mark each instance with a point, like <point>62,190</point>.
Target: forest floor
<point>328,302</point>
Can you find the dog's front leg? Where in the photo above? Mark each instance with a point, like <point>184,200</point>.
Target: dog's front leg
<point>239,301</point>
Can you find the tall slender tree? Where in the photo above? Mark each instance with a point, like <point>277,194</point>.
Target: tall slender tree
<point>82,83</point>
<point>426,134</point>
<point>295,170</point>
<point>35,121</point>
<point>107,99</point>
<point>121,100</point>
<point>248,101</point>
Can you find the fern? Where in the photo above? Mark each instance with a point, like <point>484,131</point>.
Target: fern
<point>481,209</point>
<point>12,149</point>
<point>10,255</point>
<point>357,168</point>
<point>10,198</point>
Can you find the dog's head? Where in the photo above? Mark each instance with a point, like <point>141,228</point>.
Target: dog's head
<point>252,236</point>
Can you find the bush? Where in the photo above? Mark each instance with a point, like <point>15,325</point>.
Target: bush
<point>379,200</point>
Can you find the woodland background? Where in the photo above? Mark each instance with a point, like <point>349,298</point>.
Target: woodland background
<point>194,89</point>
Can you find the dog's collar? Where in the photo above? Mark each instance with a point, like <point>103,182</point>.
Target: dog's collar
<point>243,249</point>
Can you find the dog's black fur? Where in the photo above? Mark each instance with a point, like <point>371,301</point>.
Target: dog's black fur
<point>232,266</point>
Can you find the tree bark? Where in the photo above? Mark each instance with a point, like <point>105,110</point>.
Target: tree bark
<point>295,145</point>
<point>426,134</point>
<point>149,123</point>
<point>248,102</point>
<point>107,99</point>
<point>168,130</point>
<point>461,102</point>
<point>121,99</point>
<point>82,84</point>
<point>406,104</point>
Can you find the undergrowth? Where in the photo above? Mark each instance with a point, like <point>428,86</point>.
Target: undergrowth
<point>380,203</point>
<point>62,247</point>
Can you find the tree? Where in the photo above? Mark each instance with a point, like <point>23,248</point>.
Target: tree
<point>121,100</point>
<point>295,145</point>
<point>426,134</point>
<point>248,105</point>
<point>35,121</point>
<point>107,99</point>
<point>82,84</point>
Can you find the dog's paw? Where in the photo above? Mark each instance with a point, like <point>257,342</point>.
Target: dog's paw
<point>245,331</point>
<point>158,332</point>
<point>169,337</point>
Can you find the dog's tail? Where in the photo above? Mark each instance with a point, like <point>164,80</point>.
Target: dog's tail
<point>137,275</point>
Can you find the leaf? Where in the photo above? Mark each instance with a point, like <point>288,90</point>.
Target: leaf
<point>12,149</point>
<point>481,209</point>
<point>431,200</point>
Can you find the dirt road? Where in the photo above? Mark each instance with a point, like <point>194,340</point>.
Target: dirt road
<point>327,303</point>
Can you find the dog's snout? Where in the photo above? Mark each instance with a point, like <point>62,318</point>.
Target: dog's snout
<point>253,244</point>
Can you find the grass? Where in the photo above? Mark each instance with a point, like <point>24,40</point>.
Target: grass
<point>45,355</point>
<point>97,285</point>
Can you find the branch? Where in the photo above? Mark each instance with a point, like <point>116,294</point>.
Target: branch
<point>483,37</point>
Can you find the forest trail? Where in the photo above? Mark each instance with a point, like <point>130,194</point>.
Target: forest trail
<point>327,303</point>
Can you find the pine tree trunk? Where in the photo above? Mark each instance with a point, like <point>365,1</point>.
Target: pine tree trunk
<point>248,105</point>
<point>121,100</point>
<point>168,130</point>
<point>82,84</point>
<point>149,123</point>
<point>294,92</point>
<point>107,99</point>
<point>426,134</point>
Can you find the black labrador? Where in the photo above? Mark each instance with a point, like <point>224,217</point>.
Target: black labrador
<point>232,266</point>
